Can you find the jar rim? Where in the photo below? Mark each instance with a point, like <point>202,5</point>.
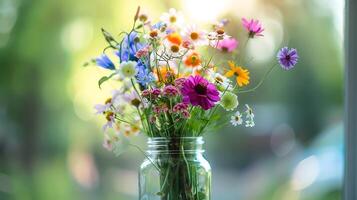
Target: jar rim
<point>174,144</point>
<point>168,138</point>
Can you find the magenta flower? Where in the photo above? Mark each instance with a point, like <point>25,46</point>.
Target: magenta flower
<point>254,27</point>
<point>227,44</point>
<point>199,92</point>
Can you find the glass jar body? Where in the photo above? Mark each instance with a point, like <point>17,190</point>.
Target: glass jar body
<point>175,169</point>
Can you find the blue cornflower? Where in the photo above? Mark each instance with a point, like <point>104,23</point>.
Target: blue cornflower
<point>129,47</point>
<point>287,58</point>
<point>144,75</point>
<point>105,62</point>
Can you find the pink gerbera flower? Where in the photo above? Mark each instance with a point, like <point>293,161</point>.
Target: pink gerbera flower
<point>254,27</point>
<point>199,92</point>
<point>227,44</point>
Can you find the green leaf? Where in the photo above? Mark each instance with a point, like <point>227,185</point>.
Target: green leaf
<point>105,78</point>
<point>109,38</point>
<point>201,196</point>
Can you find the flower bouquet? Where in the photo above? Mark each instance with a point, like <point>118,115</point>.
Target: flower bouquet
<point>172,86</point>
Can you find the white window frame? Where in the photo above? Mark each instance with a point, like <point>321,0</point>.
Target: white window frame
<point>350,185</point>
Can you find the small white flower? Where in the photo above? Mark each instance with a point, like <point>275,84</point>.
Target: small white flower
<point>222,82</point>
<point>214,37</point>
<point>128,69</point>
<point>249,123</point>
<point>195,35</point>
<point>146,103</point>
<point>108,141</point>
<point>249,112</point>
<point>110,121</point>
<point>170,50</point>
<point>172,18</point>
<point>100,108</point>
<point>133,99</point>
<point>236,119</point>
<point>250,116</point>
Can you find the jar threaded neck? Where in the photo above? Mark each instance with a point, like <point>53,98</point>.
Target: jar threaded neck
<point>175,145</point>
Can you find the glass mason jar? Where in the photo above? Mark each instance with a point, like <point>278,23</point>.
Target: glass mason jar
<point>175,169</point>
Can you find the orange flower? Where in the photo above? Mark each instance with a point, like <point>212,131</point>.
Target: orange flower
<point>193,60</point>
<point>242,75</point>
<point>175,38</point>
<point>164,73</point>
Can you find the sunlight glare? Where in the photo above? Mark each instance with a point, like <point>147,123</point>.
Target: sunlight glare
<point>205,10</point>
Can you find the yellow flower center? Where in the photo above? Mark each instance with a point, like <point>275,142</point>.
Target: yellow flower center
<point>220,31</point>
<point>153,34</point>
<point>175,48</point>
<point>135,102</point>
<point>219,79</point>
<point>109,116</point>
<point>194,35</point>
<point>173,19</point>
<point>143,18</point>
<point>109,100</point>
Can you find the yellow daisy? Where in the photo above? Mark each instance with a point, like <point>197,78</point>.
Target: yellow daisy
<point>242,75</point>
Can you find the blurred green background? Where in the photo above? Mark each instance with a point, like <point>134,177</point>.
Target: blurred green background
<point>51,141</point>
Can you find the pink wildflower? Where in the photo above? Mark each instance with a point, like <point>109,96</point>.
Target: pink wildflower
<point>142,52</point>
<point>254,27</point>
<point>155,92</point>
<point>227,45</point>
<point>180,107</point>
<point>171,91</point>
<point>179,82</point>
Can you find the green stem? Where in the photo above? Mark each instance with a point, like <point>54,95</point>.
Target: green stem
<point>143,152</point>
<point>260,82</point>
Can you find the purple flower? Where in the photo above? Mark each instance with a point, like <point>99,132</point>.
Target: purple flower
<point>287,58</point>
<point>227,44</point>
<point>105,62</point>
<point>170,91</point>
<point>253,27</point>
<point>199,92</point>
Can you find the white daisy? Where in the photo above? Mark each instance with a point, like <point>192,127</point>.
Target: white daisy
<point>215,36</point>
<point>128,69</point>
<point>249,123</point>
<point>223,83</point>
<point>195,35</point>
<point>250,116</point>
<point>132,98</point>
<point>172,18</point>
<point>249,111</point>
<point>236,119</point>
<point>171,50</point>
